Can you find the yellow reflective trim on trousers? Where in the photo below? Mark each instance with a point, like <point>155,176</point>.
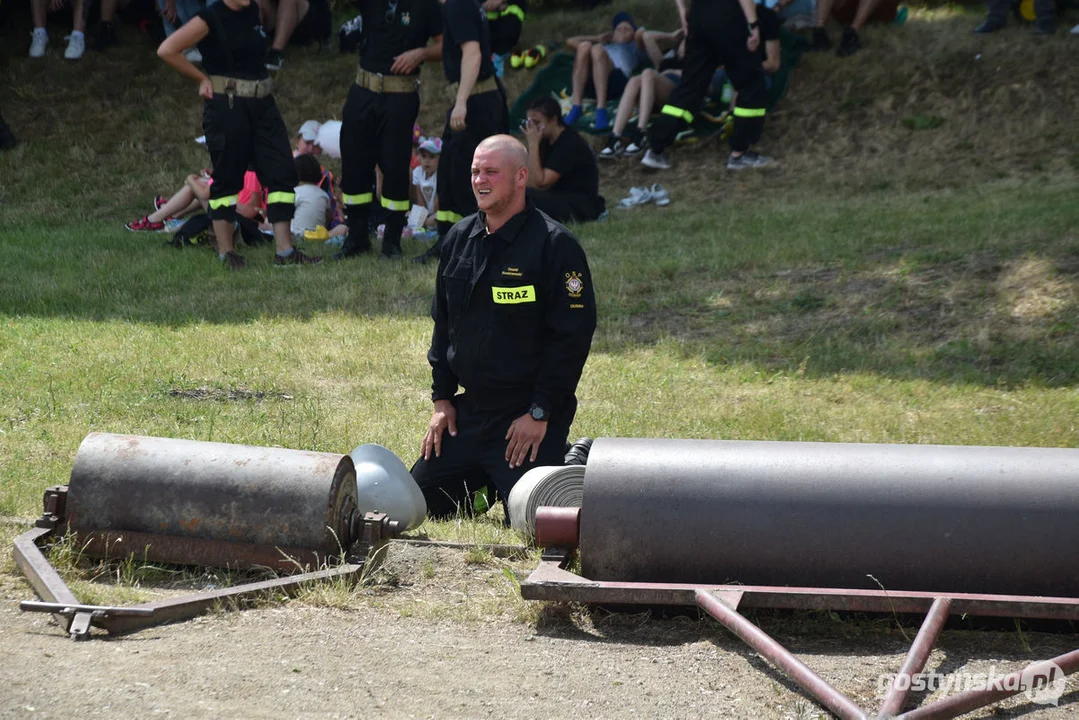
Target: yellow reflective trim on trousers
<point>492,14</point>
<point>448,216</point>
<point>513,295</point>
<point>280,197</point>
<point>748,112</point>
<point>678,113</point>
<point>401,205</point>
<point>514,10</point>
<point>227,201</point>
<point>361,199</point>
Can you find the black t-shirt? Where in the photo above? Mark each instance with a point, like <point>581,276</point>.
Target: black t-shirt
<point>769,27</point>
<point>465,21</point>
<point>575,162</point>
<point>244,42</point>
<point>391,27</point>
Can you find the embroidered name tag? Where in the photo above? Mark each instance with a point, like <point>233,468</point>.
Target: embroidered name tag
<point>514,295</point>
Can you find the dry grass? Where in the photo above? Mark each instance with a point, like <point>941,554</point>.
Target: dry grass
<point>1006,105</point>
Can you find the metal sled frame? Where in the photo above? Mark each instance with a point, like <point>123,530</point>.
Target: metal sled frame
<point>77,618</point>
<point>558,530</point>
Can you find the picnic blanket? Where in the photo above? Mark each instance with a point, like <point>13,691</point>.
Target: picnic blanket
<point>555,79</point>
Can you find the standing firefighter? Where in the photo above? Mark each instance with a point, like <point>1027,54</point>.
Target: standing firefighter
<point>379,114</point>
<point>240,118</point>
<point>718,32</point>
<point>479,110</point>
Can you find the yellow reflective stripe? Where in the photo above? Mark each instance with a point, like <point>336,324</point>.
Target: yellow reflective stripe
<point>280,197</point>
<point>748,112</point>
<point>514,10</point>
<point>492,14</point>
<point>678,113</point>
<point>361,199</point>
<point>395,204</point>
<point>227,201</point>
<point>514,295</point>
<point>448,216</point>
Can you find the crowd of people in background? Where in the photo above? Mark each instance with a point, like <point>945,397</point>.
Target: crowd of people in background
<point>392,186</point>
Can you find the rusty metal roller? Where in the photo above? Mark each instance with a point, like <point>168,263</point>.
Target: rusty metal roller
<point>914,517</point>
<point>210,503</point>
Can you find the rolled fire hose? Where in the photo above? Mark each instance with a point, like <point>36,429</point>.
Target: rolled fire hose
<point>552,486</point>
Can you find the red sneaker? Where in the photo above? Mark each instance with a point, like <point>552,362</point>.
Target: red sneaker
<point>160,201</point>
<point>143,224</point>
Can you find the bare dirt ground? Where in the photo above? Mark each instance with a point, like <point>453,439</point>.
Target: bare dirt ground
<point>442,633</point>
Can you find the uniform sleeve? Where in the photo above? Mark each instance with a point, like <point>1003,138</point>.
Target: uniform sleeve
<point>569,319</point>
<point>434,18</point>
<point>443,380</point>
<point>463,20</point>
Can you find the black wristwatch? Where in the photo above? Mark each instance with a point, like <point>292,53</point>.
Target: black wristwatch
<point>538,413</point>
<point>753,25</point>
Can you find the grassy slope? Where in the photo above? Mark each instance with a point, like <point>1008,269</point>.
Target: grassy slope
<point>885,285</point>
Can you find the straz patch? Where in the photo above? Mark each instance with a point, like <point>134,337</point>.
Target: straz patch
<point>574,284</point>
<point>513,295</point>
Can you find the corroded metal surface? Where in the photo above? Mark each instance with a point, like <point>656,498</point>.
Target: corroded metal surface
<point>212,494</point>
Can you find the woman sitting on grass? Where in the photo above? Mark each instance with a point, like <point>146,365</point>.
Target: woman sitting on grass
<point>563,180</point>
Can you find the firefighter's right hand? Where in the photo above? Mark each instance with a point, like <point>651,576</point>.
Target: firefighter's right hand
<point>458,116</point>
<point>206,89</point>
<point>443,418</point>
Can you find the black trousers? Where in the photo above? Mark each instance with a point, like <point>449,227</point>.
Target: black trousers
<point>376,129</point>
<point>563,207</point>
<point>717,36</point>
<point>506,26</point>
<point>476,458</point>
<point>243,133</point>
<point>487,115</point>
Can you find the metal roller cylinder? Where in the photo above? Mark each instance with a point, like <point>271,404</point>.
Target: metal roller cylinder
<point>211,503</point>
<point>909,517</point>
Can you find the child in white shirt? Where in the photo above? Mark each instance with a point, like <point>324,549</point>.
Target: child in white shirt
<point>424,183</point>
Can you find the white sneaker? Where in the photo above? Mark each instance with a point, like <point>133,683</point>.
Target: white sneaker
<point>39,42</point>
<point>656,161</point>
<point>76,46</point>
<point>660,195</point>
<point>1075,30</point>
<point>637,196</point>
<point>193,55</point>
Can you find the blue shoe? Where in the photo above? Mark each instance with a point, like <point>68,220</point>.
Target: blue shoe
<point>573,115</point>
<point>602,122</point>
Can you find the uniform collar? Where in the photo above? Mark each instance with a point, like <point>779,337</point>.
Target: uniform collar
<point>510,229</point>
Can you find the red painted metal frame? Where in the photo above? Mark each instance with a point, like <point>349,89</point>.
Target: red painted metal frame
<point>551,581</point>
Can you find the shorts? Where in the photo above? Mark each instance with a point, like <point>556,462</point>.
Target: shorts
<point>316,25</point>
<point>616,85</point>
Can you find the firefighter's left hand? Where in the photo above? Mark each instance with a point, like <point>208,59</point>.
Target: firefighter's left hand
<point>524,434</point>
<point>407,62</point>
<point>206,89</point>
<point>754,40</point>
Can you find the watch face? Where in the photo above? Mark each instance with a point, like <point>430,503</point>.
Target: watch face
<point>538,413</point>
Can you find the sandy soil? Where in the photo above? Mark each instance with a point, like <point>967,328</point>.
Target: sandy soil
<point>442,634</point>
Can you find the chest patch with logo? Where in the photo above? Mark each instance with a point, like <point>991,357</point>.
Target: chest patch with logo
<point>513,295</point>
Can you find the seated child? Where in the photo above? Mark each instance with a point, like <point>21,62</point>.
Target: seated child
<point>193,196</point>
<point>424,182</point>
<point>312,203</point>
